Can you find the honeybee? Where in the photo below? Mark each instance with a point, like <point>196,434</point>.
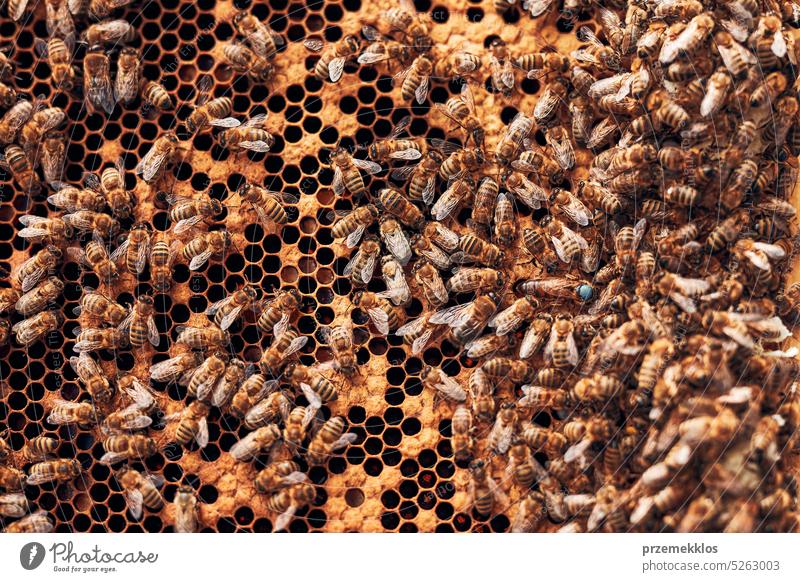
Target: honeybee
<point>346,175</point>
<point>201,381</point>
<point>129,75</point>
<point>96,257</point>
<point>299,419</point>
<point>254,389</point>
<point>227,310</point>
<point>329,439</point>
<point>100,306</point>
<point>395,279</point>
<point>484,493</point>
<point>264,41</point>
<point>59,57</point>
<point>461,110</point>
<point>500,65</point>
<point>40,448</point>
<point>134,416</point>
<point>287,501</point>
<point>12,479</point>
<point>278,310</point>
<point>286,342</point>
<point>550,101</point>
<point>392,148</point>
<point>37,522</point>
<point>504,428</point>
<point>165,151</point>
<point>214,112</point>
<point>14,119</point>
<point>187,518</point>
<point>72,199</point>
<point>29,330</point>
<point>768,41</point>
<point>273,408</point>
<point>361,266</point>
<point>332,61</point>
<point>243,60</point>
<point>395,240</point>
<point>257,442</point>
<point>474,249</point>
<point>465,280</point>
<point>229,383</point>
<point>162,255</point>
<point>140,324</point>
<point>135,249</point>
<point>564,202</point>
<point>444,385</point>
<point>156,97</point>
<point>201,248</point>
<point>416,79</point>
<point>380,311</point>
<point>202,338</point>
<point>510,143</point>
<point>100,9</point>
<point>278,475</point>
<point>489,344</point>
<point>267,203</point>
<point>53,156</point>
<point>173,369</point>
<point>98,223</point>
<point>93,339</point>
<point>97,86</point>
<point>340,340</point>
<point>508,320</point>
<point>538,64</point>
<point>111,184</point>
<point>382,48</point>
<point>14,160</point>
<point>536,243</point>
<point>58,20</point>
<point>66,412</point>
<point>249,135</point>
<point>463,440</point>
<point>395,203</point>
<point>59,470</point>
<point>93,378</point>
<point>120,447</point>
<point>459,190</point>
<point>192,424</point>
<point>526,190</point>
<point>188,212</point>
<point>13,505</point>
<point>304,378</point>
<point>140,491</point>
<point>8,299</point>
<point>468,319</point>
<point>109,32</point>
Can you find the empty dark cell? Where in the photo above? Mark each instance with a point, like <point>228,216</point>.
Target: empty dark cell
<point>395,397</point>
<point>292,134</point>
<point>337,465</point>
<point>426,500</point>
<point>295,93</point>
<point>474,14</point>
<point>226,525</point>
<point>395,376</point>
<point>392,436</point>
<point>223,31</point>
<point>234,262</point>
<point>411,426</point>
<point>210,453</point>
<point>18,360</point>
<point>408,488</point>
<point>393,415</point>
<point>443,528</point>
<point>444,448</point>
<point>276,103</point>
<point>243,515</point>
<point>390,521</point>
<point>329,135</point>
<point>355,455</point>
<point>462,522</point>
<point>530,86</point>
<point>373,467</point>
<point>374,425</point>
<point>564,25</point>
<point>312,124</point>
<point>391,457</point>
<point>81,523</point>
<point>208,494</point>
<point>34,412</point>
<point>356,415</point>
<point>373,446</point>
<point>427,458</point>
<point>499,523</point>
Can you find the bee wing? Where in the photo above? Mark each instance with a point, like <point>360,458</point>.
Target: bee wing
<point>537,7</point>
<point>436,256</point>
<point>368,166</point>
<point>285,518</point>
<point>428,190</point>
<point>404,173</point>
<point>531,341</point>
<point>152,332</point>
<point>244,449</point>
<point>135,500</point>
<point>336,68</point>
<point>590,259</point>
<point>314,402</point>
<point>398,245</point>
<point>198,261</point>
<point>348,268</point>
<point>546,105</point>
<point>344,441</point>
<point>411,327</point>
<point>112,458</point>
<point>201,435</point>
<point>452,316</point>
<point>397,294</point>
<point>380,319</point>
<point>296,345</point>
<point>42,477</point>
<point>692,287</point>
<point>739,335</point>
<point>421,93</point>
<point>778,45</point>
<point>149,165</point>
<point>401,126</point>
<point>338,181</point>
<point>572,349</point>
<point>369,268</point>
<point>419,344</point>
<point>683,302</point>
<point>771,326</point>
<point>369,57</point>
<point>352,239</point>
<point>451,389</point>
<point>226,122</point>
<point>577,211</point>
<point>313,44</point>
<point>183,225</point>
<point>502,435</point>
<point>772,251</point>
<point>255,146</point>
<point>548,349</point>
<point>564,153</point>
<point>142,397</point>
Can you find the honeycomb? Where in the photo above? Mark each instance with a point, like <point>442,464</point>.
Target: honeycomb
<point>399,475</point>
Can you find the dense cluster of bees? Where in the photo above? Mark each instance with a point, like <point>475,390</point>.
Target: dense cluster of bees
<point>621,325</point>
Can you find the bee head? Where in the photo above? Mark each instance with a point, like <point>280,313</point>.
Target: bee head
<point>352,43</point>
<point>54,251</point>
<point>357,296</point>
<point>216,206</point>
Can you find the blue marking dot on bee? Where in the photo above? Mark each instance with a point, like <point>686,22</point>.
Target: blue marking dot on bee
<point>585,292</point>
